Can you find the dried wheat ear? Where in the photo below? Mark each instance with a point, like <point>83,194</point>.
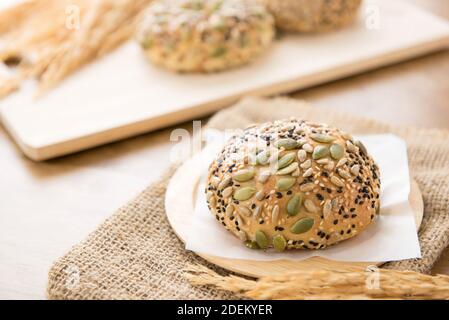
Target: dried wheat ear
<point>344,283</point>
<point>45,40</point>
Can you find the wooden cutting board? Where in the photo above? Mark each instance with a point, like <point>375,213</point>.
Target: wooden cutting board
<point>122,95</point>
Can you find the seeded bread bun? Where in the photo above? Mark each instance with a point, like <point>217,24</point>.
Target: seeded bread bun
<point>312,15</point>
<point>205,35</point>
<point>293,184</point>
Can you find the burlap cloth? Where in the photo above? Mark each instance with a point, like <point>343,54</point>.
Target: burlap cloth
<point>135,255</point>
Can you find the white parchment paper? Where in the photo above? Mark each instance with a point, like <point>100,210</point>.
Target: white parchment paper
<point>392,237</point>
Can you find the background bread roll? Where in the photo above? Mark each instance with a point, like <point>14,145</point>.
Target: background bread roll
<point>312,15</point>
<point>205,35</point>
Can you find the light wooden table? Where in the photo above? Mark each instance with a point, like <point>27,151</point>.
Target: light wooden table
<point>45,208</point>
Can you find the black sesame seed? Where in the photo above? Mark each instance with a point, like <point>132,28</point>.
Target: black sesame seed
<point>336,221</point>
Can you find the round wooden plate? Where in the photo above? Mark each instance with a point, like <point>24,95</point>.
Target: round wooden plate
<point>180,204</point>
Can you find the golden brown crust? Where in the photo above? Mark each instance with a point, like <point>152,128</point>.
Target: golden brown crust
<point>293,184</point>
<point>312,15</point>
<point>205,35</point>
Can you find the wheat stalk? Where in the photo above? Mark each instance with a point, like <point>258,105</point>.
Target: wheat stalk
<point>50,51</point>
<point>343,283</point>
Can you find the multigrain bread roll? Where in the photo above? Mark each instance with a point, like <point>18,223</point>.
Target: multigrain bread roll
<point>312,15</point>
<point>205,35</point>
<point>293,184</point>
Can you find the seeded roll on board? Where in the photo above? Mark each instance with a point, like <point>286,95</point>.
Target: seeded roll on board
<point>293,184</point>
<point>312,15</point>
<point>205,35</point>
